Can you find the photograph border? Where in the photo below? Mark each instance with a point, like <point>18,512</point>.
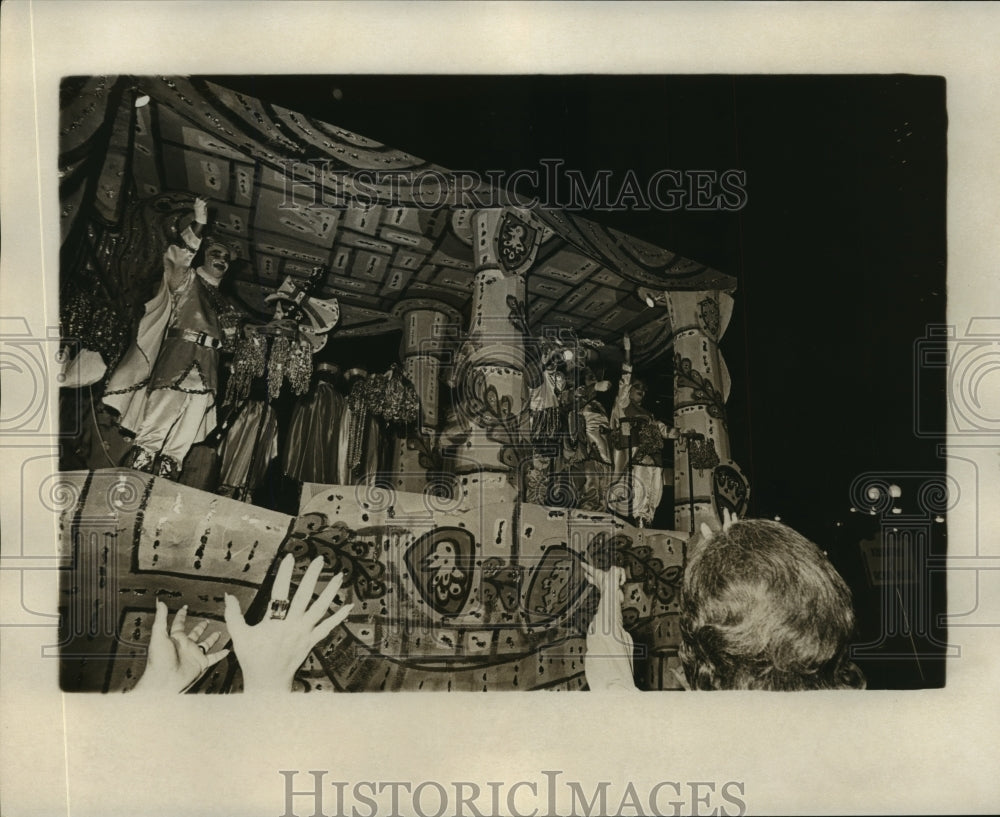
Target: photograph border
<point>878,752</point>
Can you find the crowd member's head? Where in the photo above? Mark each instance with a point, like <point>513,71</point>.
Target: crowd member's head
<point>763,608</point>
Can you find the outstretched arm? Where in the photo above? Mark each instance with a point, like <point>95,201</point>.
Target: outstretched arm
<point>706,532</point>
<point>270,652</point>
<point>621,398</point>
<point>177,259</point>
<point>177,659</point>
<point>608,662</point>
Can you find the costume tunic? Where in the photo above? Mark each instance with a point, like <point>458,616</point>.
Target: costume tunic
<point>597,464</point>
<point>646,441</point>
<point>164,387</point>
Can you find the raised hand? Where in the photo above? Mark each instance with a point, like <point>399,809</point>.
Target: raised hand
<point>201,210</point>
<point>728,520</point>
<point>270,652</point>
<point>608,662</point>
<point>706,533</point>
<point>177,659</point>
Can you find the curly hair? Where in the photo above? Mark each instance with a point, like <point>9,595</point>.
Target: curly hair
<point>763,608</point>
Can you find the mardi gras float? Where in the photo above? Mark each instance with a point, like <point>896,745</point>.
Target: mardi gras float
<point>459,486</point>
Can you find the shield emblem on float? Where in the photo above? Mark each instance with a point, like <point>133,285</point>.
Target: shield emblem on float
<point>442,564</point>
<point>515,241</point>
<point>731,491</point>
<point>555,585</point>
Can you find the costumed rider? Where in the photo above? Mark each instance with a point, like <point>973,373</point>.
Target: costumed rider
<point>165,386</point>
<point>637,437</point>
<point>597,464</point>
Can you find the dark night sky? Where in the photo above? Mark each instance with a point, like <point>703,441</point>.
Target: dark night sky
<point>839,252</point>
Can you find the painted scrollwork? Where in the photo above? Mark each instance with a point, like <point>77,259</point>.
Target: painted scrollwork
<point>487,408</point>
<point>703,393</point>
<point>501,582</point>
<point>708,313</point>
<point>343,550</point>
<point>659,581</point>
<point>517,315</point>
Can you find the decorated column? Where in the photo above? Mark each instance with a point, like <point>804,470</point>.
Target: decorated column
<point>706,480</point>
<point>489,373</point>
<point>429,331</point>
